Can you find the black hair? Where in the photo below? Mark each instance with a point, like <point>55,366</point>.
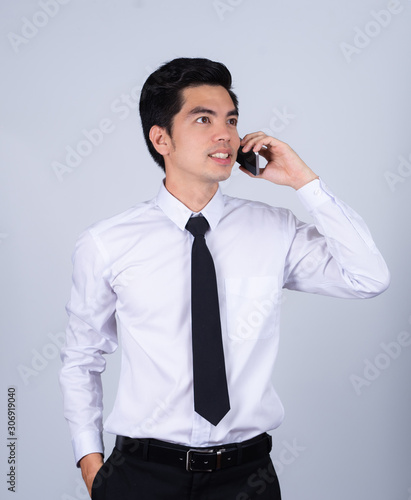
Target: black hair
<point>162,93</point>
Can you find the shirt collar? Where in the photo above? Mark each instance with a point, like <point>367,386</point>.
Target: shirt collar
<point>179,213</point>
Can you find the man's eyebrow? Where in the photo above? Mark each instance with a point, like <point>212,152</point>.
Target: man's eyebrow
<point>199,110</point>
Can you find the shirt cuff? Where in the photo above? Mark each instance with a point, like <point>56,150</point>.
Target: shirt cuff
<point>86,443</point>
<point>313,194</point>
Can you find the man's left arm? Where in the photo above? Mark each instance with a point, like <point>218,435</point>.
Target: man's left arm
<point>337,256</point>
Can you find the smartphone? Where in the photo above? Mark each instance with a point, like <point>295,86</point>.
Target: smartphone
<point>249,160</point>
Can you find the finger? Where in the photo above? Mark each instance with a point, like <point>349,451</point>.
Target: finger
<point>267,141</point>
<point>259,140</point>
<point>249,140</point>
<point>248,173</point>
<point>267,155</point>
<point>252,138</point>
<point>251,135</point>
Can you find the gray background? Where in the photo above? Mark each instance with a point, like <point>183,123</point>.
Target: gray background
<point>350,122</point>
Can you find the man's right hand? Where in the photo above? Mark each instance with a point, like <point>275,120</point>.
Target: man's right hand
<point>90,465</point>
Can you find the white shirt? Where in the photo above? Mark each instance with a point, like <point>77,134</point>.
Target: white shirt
<point>132,275</point>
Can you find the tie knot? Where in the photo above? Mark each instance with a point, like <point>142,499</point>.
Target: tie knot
<point>197,225</point>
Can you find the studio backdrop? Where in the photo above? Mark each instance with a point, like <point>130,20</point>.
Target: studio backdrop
<point>330,78</point>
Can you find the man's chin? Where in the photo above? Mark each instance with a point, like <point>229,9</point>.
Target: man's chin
<point>224,173</point>
<point>224,176</point>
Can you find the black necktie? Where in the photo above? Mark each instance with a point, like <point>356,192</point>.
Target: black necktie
<point>210,382</point>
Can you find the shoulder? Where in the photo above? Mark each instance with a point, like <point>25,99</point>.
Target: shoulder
<point>102,236</point>
<point>257,208</point>
<point>129,216</point>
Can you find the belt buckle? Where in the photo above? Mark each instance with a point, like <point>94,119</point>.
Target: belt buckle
<point>189,466</point>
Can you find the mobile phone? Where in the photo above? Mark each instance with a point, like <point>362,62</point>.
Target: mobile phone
<point>249,160</point>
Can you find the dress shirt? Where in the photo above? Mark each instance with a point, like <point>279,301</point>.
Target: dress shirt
<point>131,279</point>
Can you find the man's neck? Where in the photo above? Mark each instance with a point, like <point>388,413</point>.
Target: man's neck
<point>193,196</point>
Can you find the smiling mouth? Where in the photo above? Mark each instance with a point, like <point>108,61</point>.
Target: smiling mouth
<point>222,156</point>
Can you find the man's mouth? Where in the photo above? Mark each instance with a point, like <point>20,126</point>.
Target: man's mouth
<point>222,156</point>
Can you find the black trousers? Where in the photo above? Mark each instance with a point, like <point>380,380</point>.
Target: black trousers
<point>127,477</point>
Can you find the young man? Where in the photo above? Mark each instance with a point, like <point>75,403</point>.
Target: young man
<point>138,273</point>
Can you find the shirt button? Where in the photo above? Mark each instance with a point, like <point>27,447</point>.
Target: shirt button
<point>317,192</point>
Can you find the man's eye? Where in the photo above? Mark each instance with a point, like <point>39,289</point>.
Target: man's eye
<point>233,121</point>
<point>203,119</point>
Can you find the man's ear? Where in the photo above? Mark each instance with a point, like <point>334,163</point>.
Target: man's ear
<point>160,139</point>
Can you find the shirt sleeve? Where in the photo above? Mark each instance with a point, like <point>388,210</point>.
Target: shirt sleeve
<point>335,256</point>
<point>91,333</point>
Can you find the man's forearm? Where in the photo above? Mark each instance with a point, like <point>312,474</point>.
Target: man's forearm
<point>90,465</point>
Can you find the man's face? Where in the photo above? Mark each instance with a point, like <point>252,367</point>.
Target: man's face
<point>204,138</point>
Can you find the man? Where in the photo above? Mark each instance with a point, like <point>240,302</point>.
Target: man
<point>138,272</point>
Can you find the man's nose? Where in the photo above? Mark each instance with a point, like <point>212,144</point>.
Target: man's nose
<point>222,132</point>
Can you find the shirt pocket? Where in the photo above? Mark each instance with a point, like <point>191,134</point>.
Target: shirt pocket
<point>252,307</point>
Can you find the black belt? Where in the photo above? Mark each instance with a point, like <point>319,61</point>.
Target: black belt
<point>196,459</point>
